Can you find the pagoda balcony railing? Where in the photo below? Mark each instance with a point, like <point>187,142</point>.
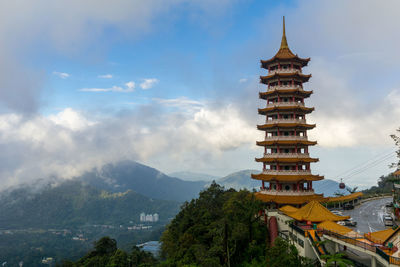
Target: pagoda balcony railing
<point>285,104</point>
<point>273,121</point>
<point>289,86</point>
<point>271,72</point>
<point>286,155</point>
<point>285,137</point>
<point>287,192</point>
<point>287,172</point>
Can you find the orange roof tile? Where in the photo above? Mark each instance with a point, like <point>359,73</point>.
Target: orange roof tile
<point>380,236</point>
<point>284,51</point>
<point>315,212</point>
<point>344,198</point>
<point>334,227</point>
<point>288,209</point>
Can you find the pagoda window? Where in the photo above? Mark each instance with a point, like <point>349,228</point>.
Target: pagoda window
<point>274,186</point>
<point>287,187</point>
<point>286,133</point>
<point>287,168</point>
<point>286,150</point>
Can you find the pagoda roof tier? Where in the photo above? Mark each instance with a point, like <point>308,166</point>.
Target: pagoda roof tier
<point>288,199</point>
<point>314,212</point>
<point>284,54</point>
<point>286,106</point>
<point>282,140</point>
<point>276,92</point>
<point>277,75</point>
<point>287,124</point>
<point>287,157</point>
<point>286,176</point>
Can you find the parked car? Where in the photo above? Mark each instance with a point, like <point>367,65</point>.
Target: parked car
<point>336,212</point>
<point>389,204</point>
<point>348,206</point>
<point>387,220</point>
<point>350,222</point>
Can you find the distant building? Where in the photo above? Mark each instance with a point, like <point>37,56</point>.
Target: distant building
<point>155,217</point>
<point>142,217</point>
<point>149,217</point>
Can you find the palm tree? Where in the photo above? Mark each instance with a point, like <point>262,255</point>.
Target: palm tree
<point>337,260</point>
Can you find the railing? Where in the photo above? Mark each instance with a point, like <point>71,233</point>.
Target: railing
<point>285,137</point>
<point>285,104</point>
<point>288,86</point>
<point>297,229</point>
<point>286,155</point>
<point>289,70</point>
<point>273,121</point>
<point>350,240</point>
<point>287,172</point>
<point>287,193</point>
<point>383,254</point>
<point>366,246</point>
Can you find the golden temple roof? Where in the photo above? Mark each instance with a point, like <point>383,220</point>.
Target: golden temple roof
<point>287,159</point>
<point>282,199</point>
<point>306,110</point>
<point>285,142</point>
<point>314,212</point>
<point>344,198</point>
<point>287,178</point>
<point>397,172</point>
<point>381,236</point>
<point>334,227</point>
<point>288,208</point>
<point>286,125</point>
<point>305,94</point>
<point>284,52</point>
<point>300,76</point>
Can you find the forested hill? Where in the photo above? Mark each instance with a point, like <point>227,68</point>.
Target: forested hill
<point>129,175</point>
<point>73,203</point>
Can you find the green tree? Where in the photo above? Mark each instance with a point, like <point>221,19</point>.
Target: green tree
<point>285,254</point>
<point>337,260</point>
<point>220,228</point>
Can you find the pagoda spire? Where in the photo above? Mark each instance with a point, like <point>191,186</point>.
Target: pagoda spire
<point>284,43</point>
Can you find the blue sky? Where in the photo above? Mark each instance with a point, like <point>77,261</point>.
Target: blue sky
<point>174,84</point>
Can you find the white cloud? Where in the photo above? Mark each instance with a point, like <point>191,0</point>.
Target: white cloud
<point>62,75</point>
<point>242,80</point>
<point>67,143</point>
<point>181,102</point>
<point>129,87</point>
<point>105,76</point>
<point>148,83</point>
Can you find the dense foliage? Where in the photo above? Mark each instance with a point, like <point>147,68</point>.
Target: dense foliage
<point>218,228</point>
<point>286,254</point>
<point>106,254</point>
<point>223,228</point>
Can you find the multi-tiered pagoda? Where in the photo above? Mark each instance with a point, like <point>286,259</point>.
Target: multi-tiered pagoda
<point>286,176</point>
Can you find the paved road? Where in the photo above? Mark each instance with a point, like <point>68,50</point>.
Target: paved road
<point>369,214</point>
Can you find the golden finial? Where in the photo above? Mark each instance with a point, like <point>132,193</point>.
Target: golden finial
<point>284,43</point>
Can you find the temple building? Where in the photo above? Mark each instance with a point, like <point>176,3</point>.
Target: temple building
<point>286,177</point>
<point>293,211</point>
